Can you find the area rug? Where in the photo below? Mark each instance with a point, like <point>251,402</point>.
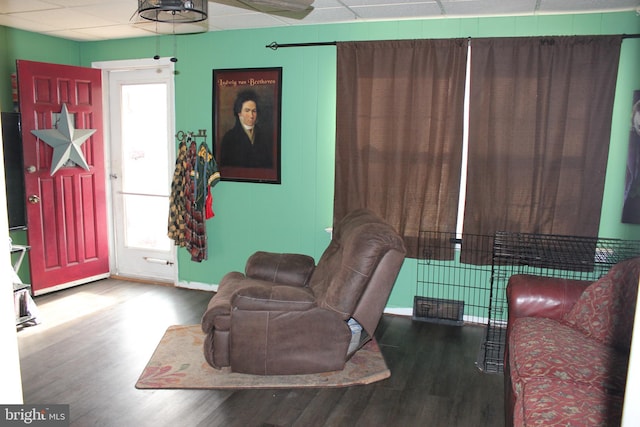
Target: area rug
<point>178,363</point>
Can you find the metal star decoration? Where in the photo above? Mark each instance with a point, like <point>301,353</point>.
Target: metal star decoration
<point>66,141</point>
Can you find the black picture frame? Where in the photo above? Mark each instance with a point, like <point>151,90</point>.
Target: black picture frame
<point>238,158</point>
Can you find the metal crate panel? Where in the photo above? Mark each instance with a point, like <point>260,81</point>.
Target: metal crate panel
<point>475,269</point>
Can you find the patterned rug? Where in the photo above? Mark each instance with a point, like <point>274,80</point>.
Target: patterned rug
<point>178,363</point>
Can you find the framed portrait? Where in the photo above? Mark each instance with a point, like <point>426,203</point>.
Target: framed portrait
<point>631,206</point>
<point>246,123</point>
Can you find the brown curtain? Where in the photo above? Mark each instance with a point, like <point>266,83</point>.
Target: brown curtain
<point>399,132</point>
<point>540,121</point>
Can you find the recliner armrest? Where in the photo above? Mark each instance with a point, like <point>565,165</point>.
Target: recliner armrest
<point>273,298</point>
<point>285,269</point>
<point>539,296</point>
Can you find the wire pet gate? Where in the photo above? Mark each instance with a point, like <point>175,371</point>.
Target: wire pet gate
<point>443,278</point>
<point>474,270</point>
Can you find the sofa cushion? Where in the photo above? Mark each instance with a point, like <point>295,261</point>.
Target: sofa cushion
<point>549,402</point>
<point>606,309</point>
<point>546,348</point>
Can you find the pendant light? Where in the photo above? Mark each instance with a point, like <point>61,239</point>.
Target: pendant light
<point>174,11</point>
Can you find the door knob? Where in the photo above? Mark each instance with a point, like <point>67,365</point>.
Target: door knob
<point>33,199</point>
<point>31,169</point>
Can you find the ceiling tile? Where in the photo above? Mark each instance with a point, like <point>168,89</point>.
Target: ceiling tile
<point>488,7</point>
<point>327,15</point>
<point>17,6</point>
<point>63,19</point>
<point>398,11</point>
<point>120,12</point>
<point>248,20</point>
<point>16,21</point>
<point>106,33</point>
<point>556,6</point>
<point>75,3</point>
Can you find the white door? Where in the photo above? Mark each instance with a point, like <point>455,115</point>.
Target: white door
<point>142,152</point>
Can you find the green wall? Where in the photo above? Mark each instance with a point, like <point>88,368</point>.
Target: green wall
<point>17,44</point>
<point>292,216</point>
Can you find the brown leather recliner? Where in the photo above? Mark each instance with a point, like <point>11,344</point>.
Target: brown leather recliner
<point>286,315</point>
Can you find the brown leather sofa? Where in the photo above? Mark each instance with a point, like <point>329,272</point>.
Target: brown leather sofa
<point>286,315</point>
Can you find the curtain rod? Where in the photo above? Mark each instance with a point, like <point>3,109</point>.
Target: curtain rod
<point>276,45</point>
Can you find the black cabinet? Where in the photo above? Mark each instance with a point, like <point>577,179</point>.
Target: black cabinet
<point>14,170</point>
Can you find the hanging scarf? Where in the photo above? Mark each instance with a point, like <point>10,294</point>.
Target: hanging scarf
<point>177,204</point>
<point>202,171</point>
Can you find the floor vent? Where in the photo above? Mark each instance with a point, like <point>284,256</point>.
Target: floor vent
<point>448,312</point>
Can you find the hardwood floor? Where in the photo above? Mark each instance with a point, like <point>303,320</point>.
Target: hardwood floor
<point>95,339</point>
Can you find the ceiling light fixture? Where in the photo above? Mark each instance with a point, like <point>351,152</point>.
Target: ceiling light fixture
<point>174,11</point>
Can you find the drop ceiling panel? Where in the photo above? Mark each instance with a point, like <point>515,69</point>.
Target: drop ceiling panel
<point>16,21</point>
<point>328,15</point>
<point>398,11</point>
<point>19,6</point>
<point>247,20</point>
<point>566,6</point>
<point>75,3</point>
<point>118,12</point>
<point>62,19</point>
<point>488,7</point>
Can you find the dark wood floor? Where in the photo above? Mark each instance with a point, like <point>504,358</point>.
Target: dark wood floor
<point>95,339</point>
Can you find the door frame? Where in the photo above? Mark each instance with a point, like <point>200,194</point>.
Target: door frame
<point>129,65</point>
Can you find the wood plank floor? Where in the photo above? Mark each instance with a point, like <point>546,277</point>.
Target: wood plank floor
<point>95,339</point>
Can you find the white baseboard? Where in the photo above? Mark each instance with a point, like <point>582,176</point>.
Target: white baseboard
<point>198,286</point>
<point>399,311</point>
<point>409,312</point>
<point>475,319</point>
<point>70,284</point>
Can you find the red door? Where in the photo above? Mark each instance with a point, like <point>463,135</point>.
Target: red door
<point>66,208</point>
